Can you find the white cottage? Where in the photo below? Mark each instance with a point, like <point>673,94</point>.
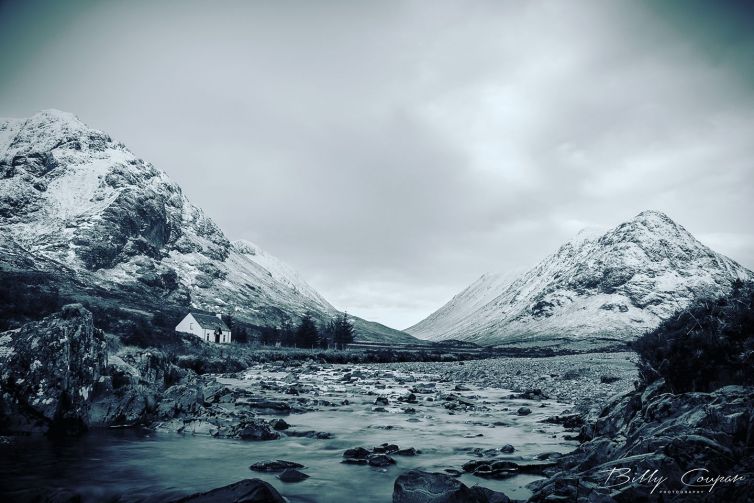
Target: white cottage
<point>205,326</point>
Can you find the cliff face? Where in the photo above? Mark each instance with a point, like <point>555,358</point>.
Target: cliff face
<point>49,371</point>
<point>594,291</point>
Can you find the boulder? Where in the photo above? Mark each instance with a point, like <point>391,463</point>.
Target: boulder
<point>255,429</point>
<point>523,411</point>
<point>244,491</point>
<point>416,486</point>
<point>276,465</point>
<point>48,371</point>
<point>179,400</point>
<point>356,453</point>
<point>380,460</point>
<point>279,425</point>
<point>292,475</point>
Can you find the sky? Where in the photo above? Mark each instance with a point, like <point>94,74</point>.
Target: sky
<point>394,151</point>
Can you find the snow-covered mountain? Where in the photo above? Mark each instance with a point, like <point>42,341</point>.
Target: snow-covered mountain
<point>81,207</point>
<point>594,291</point>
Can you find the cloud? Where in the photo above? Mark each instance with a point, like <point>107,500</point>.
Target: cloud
<point>393,152</point>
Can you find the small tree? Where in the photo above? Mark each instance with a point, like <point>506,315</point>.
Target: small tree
<point>342,331</point>
<point>327,333</point>
<point>307,335</point>
<point>239,334</point>
<point>270,335</point>
<point>287,333</point>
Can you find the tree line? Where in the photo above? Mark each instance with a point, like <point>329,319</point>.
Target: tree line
<point>337,332</point>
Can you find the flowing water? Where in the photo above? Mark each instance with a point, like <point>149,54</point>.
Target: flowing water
<point>141,465</point>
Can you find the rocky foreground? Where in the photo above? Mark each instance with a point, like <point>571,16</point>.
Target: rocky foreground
<point>440,423</point>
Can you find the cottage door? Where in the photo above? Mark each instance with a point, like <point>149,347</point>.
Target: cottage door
<point>217,335</point>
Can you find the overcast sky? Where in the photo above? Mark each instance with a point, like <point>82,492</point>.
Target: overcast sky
<point>394,151</point>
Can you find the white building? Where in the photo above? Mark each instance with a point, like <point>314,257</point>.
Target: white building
<point>205,326</point>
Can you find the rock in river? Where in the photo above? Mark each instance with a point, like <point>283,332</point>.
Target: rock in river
<point>356,453</point>
<point>245,491</point>
<point>274,465</point>
<point>380,460</point>
<point>255,429</point>
<point>523,411</point>
<point>292,475</point>
<point>417,486</point>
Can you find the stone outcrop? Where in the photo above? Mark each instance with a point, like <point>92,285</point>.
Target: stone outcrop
<point>49,371</point>
<point>652,429</point>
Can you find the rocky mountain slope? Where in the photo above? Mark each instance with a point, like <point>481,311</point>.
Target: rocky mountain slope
<point>84,214</point>
<point>594,291</point>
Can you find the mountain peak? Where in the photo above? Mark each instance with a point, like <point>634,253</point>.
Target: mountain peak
<point>591,292</point>
<point>654,216</point>
<point>53,114</point>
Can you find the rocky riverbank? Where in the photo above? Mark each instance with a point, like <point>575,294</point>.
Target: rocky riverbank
<point>653,445</point>
<point>474,431</point>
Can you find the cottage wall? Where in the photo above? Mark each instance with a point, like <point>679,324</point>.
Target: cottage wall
<point>189,325</point>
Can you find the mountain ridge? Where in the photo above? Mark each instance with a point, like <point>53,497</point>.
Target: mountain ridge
<point>87,211</point>
<point>594,290</point>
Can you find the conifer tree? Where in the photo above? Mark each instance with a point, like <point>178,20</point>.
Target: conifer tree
<point>343,331</point>
<point>307,335</point>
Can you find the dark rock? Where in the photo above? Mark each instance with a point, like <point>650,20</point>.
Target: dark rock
<point>672,433</point>
<point>535,468</point>
<point>255,429</point>
<point>607,379</point>
<point>410,398</point>
<point>50,369</point>
<point>549,455</point>
<point>507,449</point>
<point>496,469</point>
<point>180,399</point>
<point>245,491</point>
<point>354,461</point>
<point>385,449</point>
<point>486,495</point>
<point>570,421</point>
<point>422,487</point>
<point>356,453</point>
<point>321,435</point>
<point>523,411</point>
<point>292,475</point>
<point>274,465</point>
<point>263,405</point>
<point>407,452</point>
<point>279,425</point>
<point>533,394</point>
<point>380,460</point>
<point>381,400</point>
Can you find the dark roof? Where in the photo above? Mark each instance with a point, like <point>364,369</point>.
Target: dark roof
<point>209,322</point>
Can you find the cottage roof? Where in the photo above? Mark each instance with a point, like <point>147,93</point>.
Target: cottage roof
<point>209,322</point>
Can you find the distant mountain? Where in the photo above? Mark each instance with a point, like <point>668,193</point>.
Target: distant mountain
<point>79,212</point>
<point>593,292</point>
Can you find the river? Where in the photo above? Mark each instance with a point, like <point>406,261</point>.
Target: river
<point>156,465</point>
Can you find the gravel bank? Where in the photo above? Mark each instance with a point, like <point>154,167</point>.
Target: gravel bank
<point>587,380</point>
